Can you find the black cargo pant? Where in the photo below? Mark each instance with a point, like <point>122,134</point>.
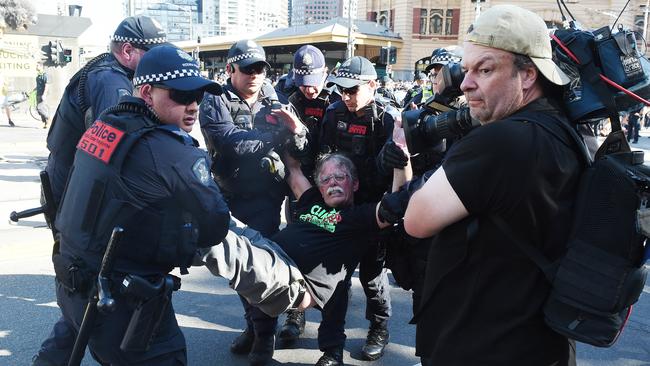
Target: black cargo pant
<point>260,212</point>
<point>167,348</point>
<point>374,280</point>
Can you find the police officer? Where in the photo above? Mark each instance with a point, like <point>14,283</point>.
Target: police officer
<point>409,254</point>
<point>246,130</point>
<point>419,93</point>
<point>386,91</point>
<point>439,58</point>
<point>306,91</point>
<point>137,167</point>
<point>358,126</point>
<point>97,86</point>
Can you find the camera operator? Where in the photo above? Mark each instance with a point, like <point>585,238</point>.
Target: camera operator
<point>480,287</point>
<point>245,130</point>
<point>358,126</point>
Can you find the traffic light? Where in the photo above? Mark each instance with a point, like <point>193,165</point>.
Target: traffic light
<point>50,54</point>
<point>55,53</point>
<point>47,54</point>
<point>384,55</point>
<point>67,56</point>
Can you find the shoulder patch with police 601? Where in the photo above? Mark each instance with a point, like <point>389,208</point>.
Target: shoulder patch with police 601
<point>201,172</point>
<point>100,141</point>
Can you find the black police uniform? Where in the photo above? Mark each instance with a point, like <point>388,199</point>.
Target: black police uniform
<point>311,112</point>
<point>361,138</point>
<point>410,94</point>
<point>97,86</point>
<point>153,181</point>
<point>238,137</point>
<point>389,96</point>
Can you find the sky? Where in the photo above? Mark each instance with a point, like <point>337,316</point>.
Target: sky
<point>104,14</point>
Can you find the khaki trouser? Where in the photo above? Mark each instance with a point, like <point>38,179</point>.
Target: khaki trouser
<point>257,268</point>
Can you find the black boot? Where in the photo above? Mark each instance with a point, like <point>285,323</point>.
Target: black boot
<point>11,123</point>
<point>243,343</point>
<point>331,357</point>
<point>376,341</point>
<point>262,351</point>
<point>293,327</point>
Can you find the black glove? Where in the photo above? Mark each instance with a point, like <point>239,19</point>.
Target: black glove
<point>298,144</point>
<point>393,206</point>
<point>272,164</point>
<point>392,156</point>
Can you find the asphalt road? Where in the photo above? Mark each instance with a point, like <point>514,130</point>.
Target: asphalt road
<point>208,311</point>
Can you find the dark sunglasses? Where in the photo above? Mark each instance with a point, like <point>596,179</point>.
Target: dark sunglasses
<point>183,97</point>
<point>350,91</point>
<point>257,68</point>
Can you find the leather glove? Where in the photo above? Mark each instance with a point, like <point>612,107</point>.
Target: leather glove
<point>272,164</point>
<point>393,206</point>
<point>392,156</point>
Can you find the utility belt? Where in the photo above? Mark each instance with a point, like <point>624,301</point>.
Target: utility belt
<point>148,295</point>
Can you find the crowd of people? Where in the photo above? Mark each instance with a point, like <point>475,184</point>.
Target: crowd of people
<point>334,149</point>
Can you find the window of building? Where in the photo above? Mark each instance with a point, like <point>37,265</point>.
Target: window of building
<point>423,21</point>
<point>448,18</point>
<point>435,21</point>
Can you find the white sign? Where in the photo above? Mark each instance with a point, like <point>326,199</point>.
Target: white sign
<point>18,55</point>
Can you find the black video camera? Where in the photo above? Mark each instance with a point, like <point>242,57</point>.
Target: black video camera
<point>426,127</point>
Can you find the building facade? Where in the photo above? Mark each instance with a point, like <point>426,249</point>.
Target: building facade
<point>319,11</point>
<point>428,24</point>
<point>189,19</point>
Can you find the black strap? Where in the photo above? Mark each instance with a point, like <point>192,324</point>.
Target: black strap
<point>548,123</point>
<point>549,268</point>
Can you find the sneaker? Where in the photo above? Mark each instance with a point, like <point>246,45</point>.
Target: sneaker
<point>262,350</point>
<point>293,327</point>
<point>243,343</point>
<point>331,357</point>
<point>376,341</point>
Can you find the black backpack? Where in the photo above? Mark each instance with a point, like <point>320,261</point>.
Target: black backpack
<point>602,273</point>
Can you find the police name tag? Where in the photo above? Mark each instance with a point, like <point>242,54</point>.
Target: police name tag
<point>100,141</point>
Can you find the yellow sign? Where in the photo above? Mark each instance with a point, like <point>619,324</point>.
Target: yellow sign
<point>18,55</point>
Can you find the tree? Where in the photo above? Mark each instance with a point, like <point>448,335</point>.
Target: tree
<point>16,14</point>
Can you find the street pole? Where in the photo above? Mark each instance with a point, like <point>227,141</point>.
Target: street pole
<point>389,43</point>
<point>645,20</point>
<point>350,51</point>
<point>190,12</point>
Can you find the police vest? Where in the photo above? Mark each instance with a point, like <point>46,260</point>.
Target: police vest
<point>248,177</point>
<point>361,139</point>
<point>73,115</point>
<point>426,94</point>
<point>156,236</point>
<point>311,112</point>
